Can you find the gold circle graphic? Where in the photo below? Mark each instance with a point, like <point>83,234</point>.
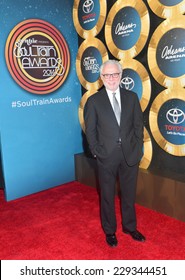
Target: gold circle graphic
<point>96,43</point>
<point>19,58</point>
<point>83,101</point>
<point>96,29</point>
<point>166,11</point>
<point>142,10</point>
<point>160,77</point>
<point>166,95</point>
<point>146,84</point>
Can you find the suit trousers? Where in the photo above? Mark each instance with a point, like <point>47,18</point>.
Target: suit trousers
<point>109,170</point>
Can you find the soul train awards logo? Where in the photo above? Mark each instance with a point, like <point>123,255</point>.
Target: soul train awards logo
<point>37,56</point>
<point>90,64</point>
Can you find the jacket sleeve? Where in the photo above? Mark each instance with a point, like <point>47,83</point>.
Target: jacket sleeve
<point>138,123</point>
<point>90,119</point>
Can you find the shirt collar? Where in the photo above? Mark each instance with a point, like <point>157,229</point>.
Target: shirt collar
<point>110,91</point>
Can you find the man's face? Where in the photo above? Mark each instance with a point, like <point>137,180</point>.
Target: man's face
<point>111,77</point>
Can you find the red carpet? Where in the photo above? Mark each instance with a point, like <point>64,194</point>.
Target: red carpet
<point>63,223</point>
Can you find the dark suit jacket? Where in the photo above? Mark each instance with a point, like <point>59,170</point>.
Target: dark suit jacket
<point>102,130</point>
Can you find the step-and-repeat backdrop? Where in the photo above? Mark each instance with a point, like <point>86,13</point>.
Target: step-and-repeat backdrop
<point>39,97</point>
<point>148,38</point>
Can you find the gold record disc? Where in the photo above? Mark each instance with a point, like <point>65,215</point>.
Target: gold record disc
<point>127,39</point>
<point>83,100</point>
<point>145,79</point>
<point>167,121</point>
<point>85,13</point>
<point>148,151</point>
<point>170,52</point>
<point>164,11</point>
<point>91,54</point>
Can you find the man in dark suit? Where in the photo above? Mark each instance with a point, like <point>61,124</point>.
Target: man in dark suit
<point>114,131</point>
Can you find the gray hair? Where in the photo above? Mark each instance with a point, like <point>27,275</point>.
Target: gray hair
<point>111,61</point>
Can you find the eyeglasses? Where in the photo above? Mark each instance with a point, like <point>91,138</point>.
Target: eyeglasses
<point>113,75</point>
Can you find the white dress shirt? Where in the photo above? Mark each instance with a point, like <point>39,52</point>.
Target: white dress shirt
<point>117,95</point>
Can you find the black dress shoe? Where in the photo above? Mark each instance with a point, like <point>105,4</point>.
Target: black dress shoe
<point>136,235</point>
<point>111,240</point>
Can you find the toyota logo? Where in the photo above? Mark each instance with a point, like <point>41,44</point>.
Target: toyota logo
<point>127,83</point>
<point>175,116</point>
<point>88,6</point>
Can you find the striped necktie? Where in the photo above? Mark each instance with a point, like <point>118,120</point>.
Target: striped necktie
<point>116,108</point>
